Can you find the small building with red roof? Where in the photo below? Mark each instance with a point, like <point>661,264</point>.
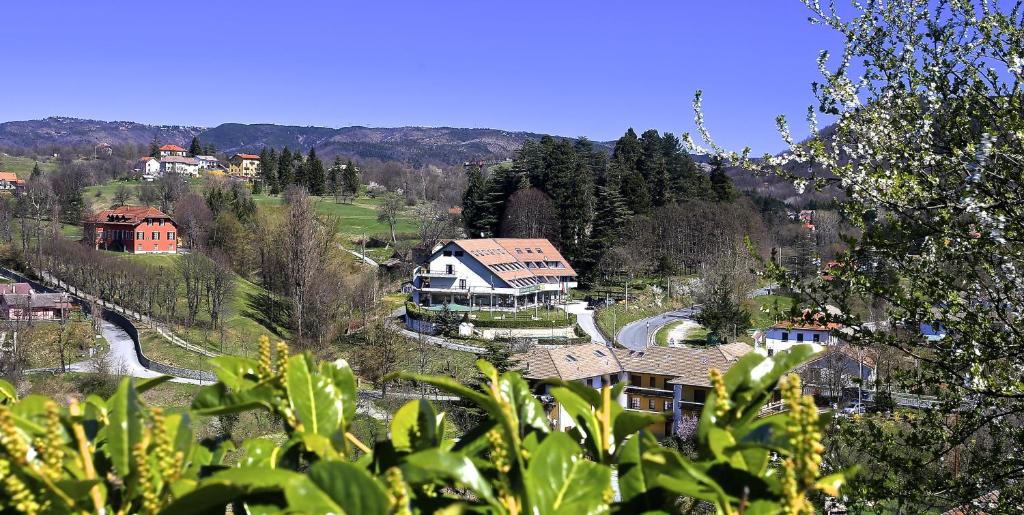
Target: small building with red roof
<point>135,229</point>
<point>244,165</point>
<point>9,181</point>
<point>173,150</point>
<point>806,329</point>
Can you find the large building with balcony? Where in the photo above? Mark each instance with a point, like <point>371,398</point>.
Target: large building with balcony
<point>493,274</point>
<point>669,380</point>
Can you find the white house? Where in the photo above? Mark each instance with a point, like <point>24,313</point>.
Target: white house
<point>172,150</point>
<point>148,166</point>
<point>493,273</point>
<point>784,335</point>
<point>179,165</point>
<point>208,163</point>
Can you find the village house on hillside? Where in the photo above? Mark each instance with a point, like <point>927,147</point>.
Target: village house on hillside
<point>19,301</point>
<point>207,163</point>
<point>10,182</point>
<point>136,229</point>
<point>669,380</point>
<point>188,166</point>
<point>172,150</point>
<point>494,273</point>
<point>786,334</point>
<point>148,166</point>
<point>244,165</point>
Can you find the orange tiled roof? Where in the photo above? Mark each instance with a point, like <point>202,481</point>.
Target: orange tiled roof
<point>172,148</point>
<point>513,259</point>
<point>247,156</point>
<point>8,176</point>
<point>132,215</point>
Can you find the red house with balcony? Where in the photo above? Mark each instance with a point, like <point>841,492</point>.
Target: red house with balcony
<point>136,229</point>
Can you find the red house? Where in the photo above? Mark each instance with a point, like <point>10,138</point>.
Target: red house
<point>136,229</point>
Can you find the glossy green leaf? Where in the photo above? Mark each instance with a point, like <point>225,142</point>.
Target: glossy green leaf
<point>259,452</point>
<point>314,398</point>
<point>125,428</point>
<point>563,481</point>
<point>431,464</point>
<point>7,392</point>
<point>340,373</point>
<point>350,486</point>
<point>234,371</point>
<point>582,412</point>
<point>217,399</point>
<point>233,485</point>
<point>414,427</point>
<point>637,488</point>
<point>528,410</point>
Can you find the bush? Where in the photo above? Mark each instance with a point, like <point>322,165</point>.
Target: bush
<point>139,460</point>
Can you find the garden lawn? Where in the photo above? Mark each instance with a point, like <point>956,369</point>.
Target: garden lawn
<point>766,310</point>
<point>23,165</point>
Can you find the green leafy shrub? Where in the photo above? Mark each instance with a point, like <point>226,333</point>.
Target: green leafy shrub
<point>120,455</point>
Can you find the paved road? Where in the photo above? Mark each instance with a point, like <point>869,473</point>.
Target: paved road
<point>363,258</point>
<point>585,317</point>
<point>636,335</point>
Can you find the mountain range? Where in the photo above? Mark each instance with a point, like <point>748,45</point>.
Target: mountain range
<point>412,145</point>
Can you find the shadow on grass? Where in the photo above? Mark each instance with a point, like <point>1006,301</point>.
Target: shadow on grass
<point>272,313</point>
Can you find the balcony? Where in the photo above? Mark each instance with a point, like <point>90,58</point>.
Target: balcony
<point>651,392</point>
<point>422,272</point>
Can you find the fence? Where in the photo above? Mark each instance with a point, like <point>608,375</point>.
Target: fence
<point>121,322</point>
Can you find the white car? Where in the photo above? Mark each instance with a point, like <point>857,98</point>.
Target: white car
<point>853,409</point>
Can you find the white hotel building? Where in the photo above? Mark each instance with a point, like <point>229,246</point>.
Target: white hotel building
<point>493,273</point>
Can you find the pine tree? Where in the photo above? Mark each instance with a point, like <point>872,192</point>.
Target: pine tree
<point>610,216</point>
<point>265,179</point>
<point>721,184</point>
<point>334,174</point>
<point>315,175</point>
<point>269,170</point>
<point>285,174</point>
<point>195,149</point>
<point>476,209</point>
<point>299,169</point>
<point>154,148</point>
<point>623,170</point>
<point>350,179</point>
<point>36,172</point>
<point>652,167</point>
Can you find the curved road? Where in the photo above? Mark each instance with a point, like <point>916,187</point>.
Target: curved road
<point>636,335</point>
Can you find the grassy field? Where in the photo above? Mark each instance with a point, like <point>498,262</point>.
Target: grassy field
<point>42,336</point>
<point>23,165</point>
<point>765,311</point>
<point>246,319</point>
<point>695,336</point>
<point>354,220</point>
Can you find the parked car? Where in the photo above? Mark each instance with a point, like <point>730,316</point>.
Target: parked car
<point>853,409</point>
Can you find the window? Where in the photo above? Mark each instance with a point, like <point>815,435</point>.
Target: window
<point>161,221</point>
<point>449,269</point>
<point>529,251</point>
<point>699,395</point>
<point>156,246</point>
<point>156,235</point>
<point>652,383</point>
<point>140,235</point>
<point>459,253</point>
<point>446,253</point>
<point>668,406</point>
<point>817,338</point>
<point>634,403</point>
<point>635,380</point>
<point>170,236</point>
<point>138,247</point>
<point>540,251</point>
<point>785,336</point>
<point>799,337</point>
<point>650,404</point>
<point>462,284</point>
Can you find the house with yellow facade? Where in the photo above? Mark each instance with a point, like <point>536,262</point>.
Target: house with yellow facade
<point>246,166</point>
<point>669,380</point>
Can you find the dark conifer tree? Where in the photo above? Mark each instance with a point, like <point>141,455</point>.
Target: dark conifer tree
<point>721,184</point>
<point>36,172</point>
<point>195,149</point>
<point>350,179</point>
<point>269,168</point>
<point>285,172</point>
<point>477,214</point>
<point>315,175</point>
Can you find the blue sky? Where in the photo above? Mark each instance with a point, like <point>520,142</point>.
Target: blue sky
<point>569,68</point>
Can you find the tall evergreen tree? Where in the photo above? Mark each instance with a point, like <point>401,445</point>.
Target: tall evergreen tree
<point>315,175</point>
<point>269,169</point>
<point>653,169</point>
<point>350,179</point>
<point>334,177</point>
<point>285,172</point>
<point>36,171</point>
<point>477,212</point>
<point>721,184</point>
<point>154,148</point>
<point>266,171</point>
<point>195,149</point>
<point>623,172</point>
<point>299,169</point>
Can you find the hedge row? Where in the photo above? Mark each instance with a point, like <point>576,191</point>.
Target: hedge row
<point>418,313</point>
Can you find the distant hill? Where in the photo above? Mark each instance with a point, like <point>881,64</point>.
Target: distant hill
<point>413,145</point>
<point>63,131</point>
